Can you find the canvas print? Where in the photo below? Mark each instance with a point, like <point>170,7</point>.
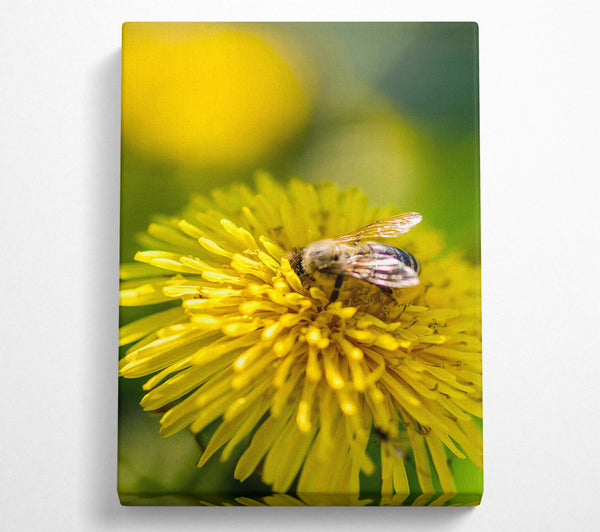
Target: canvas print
<point>300,308</point>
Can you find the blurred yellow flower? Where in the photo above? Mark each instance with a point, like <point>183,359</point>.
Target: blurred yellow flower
<point>312,381</point>
<point>210,95</point>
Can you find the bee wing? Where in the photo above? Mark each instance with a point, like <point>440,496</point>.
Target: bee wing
<point>386,228</point>
<point>380,270</point>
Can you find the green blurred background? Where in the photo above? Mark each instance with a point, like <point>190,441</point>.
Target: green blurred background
<point>389,107</point>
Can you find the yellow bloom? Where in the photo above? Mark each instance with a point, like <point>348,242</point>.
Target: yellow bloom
<point>252,346</point>
<point>210,95</point>
<point>283,499</point>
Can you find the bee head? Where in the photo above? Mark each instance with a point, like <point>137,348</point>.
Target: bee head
<point>321,255</point>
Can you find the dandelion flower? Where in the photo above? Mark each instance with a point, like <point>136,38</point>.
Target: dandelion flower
<point>310,381</point>
<point>283,499</point>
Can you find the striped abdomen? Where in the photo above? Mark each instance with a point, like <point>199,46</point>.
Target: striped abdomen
<point>403,256</point>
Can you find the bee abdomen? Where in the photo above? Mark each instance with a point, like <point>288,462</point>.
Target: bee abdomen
<point>403,256</point>
<point>407,258</point>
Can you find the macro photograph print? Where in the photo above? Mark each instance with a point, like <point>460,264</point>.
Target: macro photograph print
<point>300,299</point>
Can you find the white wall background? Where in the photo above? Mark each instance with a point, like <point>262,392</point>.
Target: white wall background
<point>59,174</point>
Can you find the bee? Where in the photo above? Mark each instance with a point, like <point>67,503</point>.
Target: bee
<point>354,255</point>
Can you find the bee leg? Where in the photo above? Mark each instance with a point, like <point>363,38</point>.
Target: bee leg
<point>336,288</point>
